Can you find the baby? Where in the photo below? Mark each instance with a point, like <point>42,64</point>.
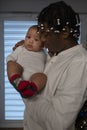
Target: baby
<point>32,58</point>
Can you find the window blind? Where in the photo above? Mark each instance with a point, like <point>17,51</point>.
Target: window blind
<point>14,31</point>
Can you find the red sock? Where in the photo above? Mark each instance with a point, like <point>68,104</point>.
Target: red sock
<point>14,80</point>
<point>27,89</point>
<point>14,77</point>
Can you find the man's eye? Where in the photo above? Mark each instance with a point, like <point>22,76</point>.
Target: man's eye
<point>36,39</point>
<point>46,34</point>
<point>27,36</point>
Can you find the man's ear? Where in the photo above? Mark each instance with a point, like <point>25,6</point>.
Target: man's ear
<point>66,33</point>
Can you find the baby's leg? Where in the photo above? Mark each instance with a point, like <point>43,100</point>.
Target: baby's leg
<point>14,68</point>
<point>39,79</point>
<point>14,72</point>
<point>35,84</point>
<point>25,88</point>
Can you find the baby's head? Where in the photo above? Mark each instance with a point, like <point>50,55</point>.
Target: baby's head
<point>32,39</point>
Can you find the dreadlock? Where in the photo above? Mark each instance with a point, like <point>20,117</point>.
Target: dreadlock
<point>65,14</point>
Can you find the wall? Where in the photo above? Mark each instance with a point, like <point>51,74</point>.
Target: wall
<point>7,6</point>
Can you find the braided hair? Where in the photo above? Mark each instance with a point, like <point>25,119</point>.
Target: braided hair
<point>58,15</point>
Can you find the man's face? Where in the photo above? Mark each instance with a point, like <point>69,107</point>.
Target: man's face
<point>52,41</point>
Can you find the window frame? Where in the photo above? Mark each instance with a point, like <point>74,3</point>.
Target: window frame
<point>19,17</point>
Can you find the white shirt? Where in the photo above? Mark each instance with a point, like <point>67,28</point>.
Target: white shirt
<point>56,107</point>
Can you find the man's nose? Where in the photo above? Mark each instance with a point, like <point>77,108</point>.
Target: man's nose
<point>43,38</point>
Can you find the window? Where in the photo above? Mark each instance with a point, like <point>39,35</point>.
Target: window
<point>14,31</point>
<point>11,105</point>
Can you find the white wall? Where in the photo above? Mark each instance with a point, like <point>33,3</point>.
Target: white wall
<point>37,5</point>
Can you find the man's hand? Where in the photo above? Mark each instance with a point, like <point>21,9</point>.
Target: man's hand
<point>20,43</point>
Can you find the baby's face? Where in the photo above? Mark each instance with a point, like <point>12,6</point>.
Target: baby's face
<point>32,40</point>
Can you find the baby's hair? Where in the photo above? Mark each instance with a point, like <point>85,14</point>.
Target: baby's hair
<point>35,27</point>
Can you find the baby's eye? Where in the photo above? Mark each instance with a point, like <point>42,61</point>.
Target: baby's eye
<point>36,39</point>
